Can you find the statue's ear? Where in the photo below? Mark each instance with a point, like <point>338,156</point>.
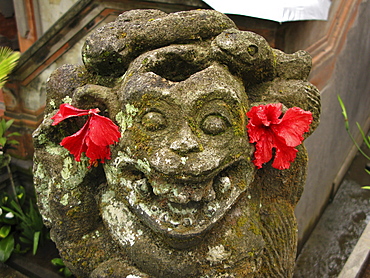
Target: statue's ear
<point>290,93</point>
<point>76,180</point>
<point>95,96</point>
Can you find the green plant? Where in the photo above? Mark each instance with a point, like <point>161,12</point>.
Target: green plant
<point>364,137</point>
<point>58,262</point>
<point>5,144</point>
<point>8,60</point>
<point>21,225</point>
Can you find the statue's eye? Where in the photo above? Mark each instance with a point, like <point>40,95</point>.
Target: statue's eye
<point>214,124</point>
<point>153,121</point>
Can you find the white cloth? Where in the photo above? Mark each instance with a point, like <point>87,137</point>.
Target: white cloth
<point>275,10</point>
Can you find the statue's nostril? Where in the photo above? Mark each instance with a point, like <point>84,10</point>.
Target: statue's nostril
<point>185,142</point>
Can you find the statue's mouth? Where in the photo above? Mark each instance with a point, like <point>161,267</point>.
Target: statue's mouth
<point>185,208</point>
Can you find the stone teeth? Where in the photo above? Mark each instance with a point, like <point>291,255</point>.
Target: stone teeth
<point>187,222</point>
<point>164,217</point>
<point>154,208</point>
<point>175,223</point>
<point>183,193</point>
<point>209,210</point>
<point>186,193</point>
<point>202,222</point>
<point>180,198</point>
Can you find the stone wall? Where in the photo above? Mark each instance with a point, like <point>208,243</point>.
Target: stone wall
<point>59,8</point>
<point>341,61</point>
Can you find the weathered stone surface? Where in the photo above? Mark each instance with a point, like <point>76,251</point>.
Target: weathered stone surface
<point>110,50</point>
<point>180,196</point>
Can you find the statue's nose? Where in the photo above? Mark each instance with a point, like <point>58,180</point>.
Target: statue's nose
<point>185,141</point>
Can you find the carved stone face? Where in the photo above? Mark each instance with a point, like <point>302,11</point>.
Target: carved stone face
<point>180,196</point>
<point>184,157</point>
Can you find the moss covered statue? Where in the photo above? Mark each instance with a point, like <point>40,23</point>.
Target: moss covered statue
<point>175,150</point>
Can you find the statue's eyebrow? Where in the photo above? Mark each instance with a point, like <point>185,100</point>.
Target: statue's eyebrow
<point>216,95</point>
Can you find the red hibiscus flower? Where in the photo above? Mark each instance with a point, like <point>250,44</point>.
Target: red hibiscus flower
<point>270,131</point>
<point>93,138</point>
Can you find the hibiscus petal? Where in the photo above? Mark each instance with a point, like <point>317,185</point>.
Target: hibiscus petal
<point>95,152</point>
<point>76,143</point>
<point>294,124</point>
<point>263,152</point>
<point>284,155</point>
<point>265,114</point>
<point>256,116</point>
<point>273,112</point>
<point>268,131</point>
<point>255,132</point>
<point>67,111</point>
<point>103,131</point>
<point>93,138</point>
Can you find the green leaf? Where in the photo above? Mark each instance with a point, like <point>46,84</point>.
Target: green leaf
<point>57,262</point>
<point>66,272</point>
<point>8,124</point>
<point>6,247</point>
<point>367,171</point>
<point>36,239</point>
<point>12,221</point>
<point>35,218</point>
<point>3,125</point>
<point>5,230</point>
<point>20,196</point>
<point>17,248</point>
<point>366,140</point>
<point>13,142</point>
<point>13,212</point>
<point>5,199</point>
<point>2,141</point>
<point>344,112</point>
<point>365,187</point>
<point>25,240</point>
<point>17,208</point>
<point>8,60</point>
<point>14,134</point>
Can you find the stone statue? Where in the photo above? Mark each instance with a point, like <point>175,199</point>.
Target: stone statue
<point>180,195</point>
